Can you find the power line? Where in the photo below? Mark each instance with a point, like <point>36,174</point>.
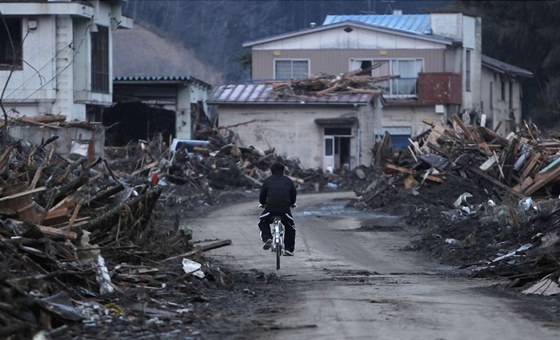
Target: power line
<point>76,51</point>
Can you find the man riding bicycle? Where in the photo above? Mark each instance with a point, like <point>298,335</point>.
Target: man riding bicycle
<point>278,194</point>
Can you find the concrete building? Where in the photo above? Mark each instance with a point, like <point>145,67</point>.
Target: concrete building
<point>146,105</point>
<point>435,61</point>
<point>63,56</point>
<point>322,132</point>
<point>56,59</point>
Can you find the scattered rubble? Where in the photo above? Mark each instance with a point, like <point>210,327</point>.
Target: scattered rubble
<point>480,201</point>
<point>99,245</point>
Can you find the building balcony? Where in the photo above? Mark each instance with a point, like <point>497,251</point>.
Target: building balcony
<point>439,88</point>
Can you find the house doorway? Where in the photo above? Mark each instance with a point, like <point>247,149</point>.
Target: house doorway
<point>337,142</point>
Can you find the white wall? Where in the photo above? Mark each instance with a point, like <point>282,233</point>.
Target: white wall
<point>24,84</point>
<point>55,78</point>
<point>292,130</point>
<point>407,117</point>
<point>358,38</point>
<point>497,109</point>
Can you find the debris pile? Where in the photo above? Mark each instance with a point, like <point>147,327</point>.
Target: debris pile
<point>78,246</point>
<point>352,82</point>
<point>483,201</point>
<point>221,164</point>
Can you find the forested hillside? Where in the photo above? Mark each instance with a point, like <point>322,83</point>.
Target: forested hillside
<point>216,29</point>
<point>525,34</point>
<point>522,33</point>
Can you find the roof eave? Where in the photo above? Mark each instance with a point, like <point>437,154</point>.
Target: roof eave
<point>209,102</point>
<point>440,40</point>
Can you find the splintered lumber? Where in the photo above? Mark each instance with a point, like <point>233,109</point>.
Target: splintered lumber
<point>5,156</point>
<point>412,172</point>
<point>49,231</point>
<point>56,216</point>
<point>523,185</point>
<point>198,249</point>
<point>531,165</point>
<point>492,135</point>
<point>428,122</point>
<point>494,181</point>
<point>463,127</point>
<point>36,177</point>
<point>145,168</point>
<point>22,194</point>
<point>549,177</point>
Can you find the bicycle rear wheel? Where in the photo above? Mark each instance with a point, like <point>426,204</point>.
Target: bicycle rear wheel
<point>278,254</point>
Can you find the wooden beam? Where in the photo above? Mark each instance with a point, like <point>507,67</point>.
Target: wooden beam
<point>463,127</point>
<point>548,178</point>
<point>23,193</point>
<point>494,181</point>
<point>412,172</point>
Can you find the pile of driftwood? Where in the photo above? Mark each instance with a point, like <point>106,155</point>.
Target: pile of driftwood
<point>512,204</point>
<point>56,216</point>
<point>352,82</point>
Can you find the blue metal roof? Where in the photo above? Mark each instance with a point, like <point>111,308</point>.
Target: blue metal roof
<point>412,23</point>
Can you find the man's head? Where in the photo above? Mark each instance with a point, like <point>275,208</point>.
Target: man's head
<point>277,168</point>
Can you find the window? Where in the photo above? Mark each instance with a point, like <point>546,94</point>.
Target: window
<point>510,95</point>
<point>291,69</point>
<point>468,71</point>
<point>503,86</point>
<point>6,48</point>
<point>406,69</point>
<point>100,60</point>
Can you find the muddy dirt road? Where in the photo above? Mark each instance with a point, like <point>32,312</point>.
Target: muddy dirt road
<point>351,279</point>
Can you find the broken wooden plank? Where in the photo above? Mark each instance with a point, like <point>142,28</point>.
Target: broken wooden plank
<point>488,163</point>
<point>198,249</point>
<point>533,162</point>
<point>145,168</point>
<point>463,127</point>
<point>548,178</point>
<point>495,182</point>
<point>412,172</point>
<point>56,216</point>
<point>22,194</point>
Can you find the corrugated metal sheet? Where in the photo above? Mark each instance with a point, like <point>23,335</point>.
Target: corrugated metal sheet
<point>263,94</point>
<point>502,67</point>
<point>412,23</point>
<point>159,79</point>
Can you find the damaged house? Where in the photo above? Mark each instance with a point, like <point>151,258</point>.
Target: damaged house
<point>56,60</point>
<point>149,105</point>
<point>434,68</point>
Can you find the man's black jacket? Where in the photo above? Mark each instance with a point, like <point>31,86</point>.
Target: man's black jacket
<point>278,194</point>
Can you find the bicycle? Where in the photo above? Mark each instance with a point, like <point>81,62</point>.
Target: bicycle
<point>277,239</point>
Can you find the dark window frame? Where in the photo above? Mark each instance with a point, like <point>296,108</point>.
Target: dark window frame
<point>15,29</point>
<point>100,60</point>
<point>468,69</point>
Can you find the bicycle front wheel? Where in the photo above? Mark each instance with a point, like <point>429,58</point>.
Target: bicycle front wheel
<point>278,254</point>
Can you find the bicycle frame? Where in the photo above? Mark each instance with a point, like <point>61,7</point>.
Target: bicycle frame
<point>277,239</point>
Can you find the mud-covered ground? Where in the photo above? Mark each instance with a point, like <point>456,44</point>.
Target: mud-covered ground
<point>228,304</point>
<point>177,305</point>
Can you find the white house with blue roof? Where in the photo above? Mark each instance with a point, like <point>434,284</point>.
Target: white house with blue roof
<point>436,60</point>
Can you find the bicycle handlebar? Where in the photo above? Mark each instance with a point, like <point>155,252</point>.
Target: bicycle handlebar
<point>291,206</point>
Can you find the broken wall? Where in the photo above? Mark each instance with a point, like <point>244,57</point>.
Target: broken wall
<point>88,136</point>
